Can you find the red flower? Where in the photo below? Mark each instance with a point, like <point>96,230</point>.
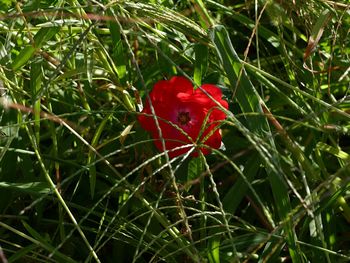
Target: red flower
<point>182,115</point>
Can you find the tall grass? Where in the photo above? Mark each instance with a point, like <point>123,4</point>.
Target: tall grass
<point>80,180</point>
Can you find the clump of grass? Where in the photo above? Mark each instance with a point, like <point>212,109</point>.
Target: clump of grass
<point>81,181</point>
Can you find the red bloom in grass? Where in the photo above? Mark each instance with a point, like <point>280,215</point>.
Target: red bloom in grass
<point>185,115</point>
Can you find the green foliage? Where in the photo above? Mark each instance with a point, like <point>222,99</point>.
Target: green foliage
<point>80,181</point>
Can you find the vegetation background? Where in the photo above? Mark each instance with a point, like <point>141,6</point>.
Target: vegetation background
<point>80,181</point>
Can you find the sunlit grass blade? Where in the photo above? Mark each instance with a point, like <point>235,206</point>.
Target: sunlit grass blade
<point>40,38</point>
<point>249,101</point>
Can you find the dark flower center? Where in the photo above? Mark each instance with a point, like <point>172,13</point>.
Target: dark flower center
<point>183,118</point>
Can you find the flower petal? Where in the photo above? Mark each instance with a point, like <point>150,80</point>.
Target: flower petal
<point>213,90</point>
<point>181,84</point>
<point>171,99</point>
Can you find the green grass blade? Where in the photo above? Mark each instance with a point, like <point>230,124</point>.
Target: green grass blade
<point>201,63</point>
<point>92,156</point>
<point>40,38</point>
<point>237,192</point>
<point>214,252</point>
<point>35,83</point>
<point>22,58</point>
<point>249,101</point>
<point>44,245</point>
<point>333,150</point>
<point>119,50</point>
<point>44,35</point>
<point>243,89</point>
<point>36,188</point>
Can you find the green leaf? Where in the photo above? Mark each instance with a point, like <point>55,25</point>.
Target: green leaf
<point>118,49</point>
<point>44,35</point>
<point>333,150</point>
<point>200,63</point>
<point>214,251</point>
<point>237,192</point>
<point>5,4</point>
<point>23,57</point>
<point>37,188</point>
<point>35,234</point>
<point>21,253</point>
<point>44,242</point>
<point>36,74</point>
<point>40,38</point>
<point>195,168</point>
<point>92,155</point>
<point>120,61</point>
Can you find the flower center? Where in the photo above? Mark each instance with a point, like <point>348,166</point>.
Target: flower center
<point>183,118</point>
